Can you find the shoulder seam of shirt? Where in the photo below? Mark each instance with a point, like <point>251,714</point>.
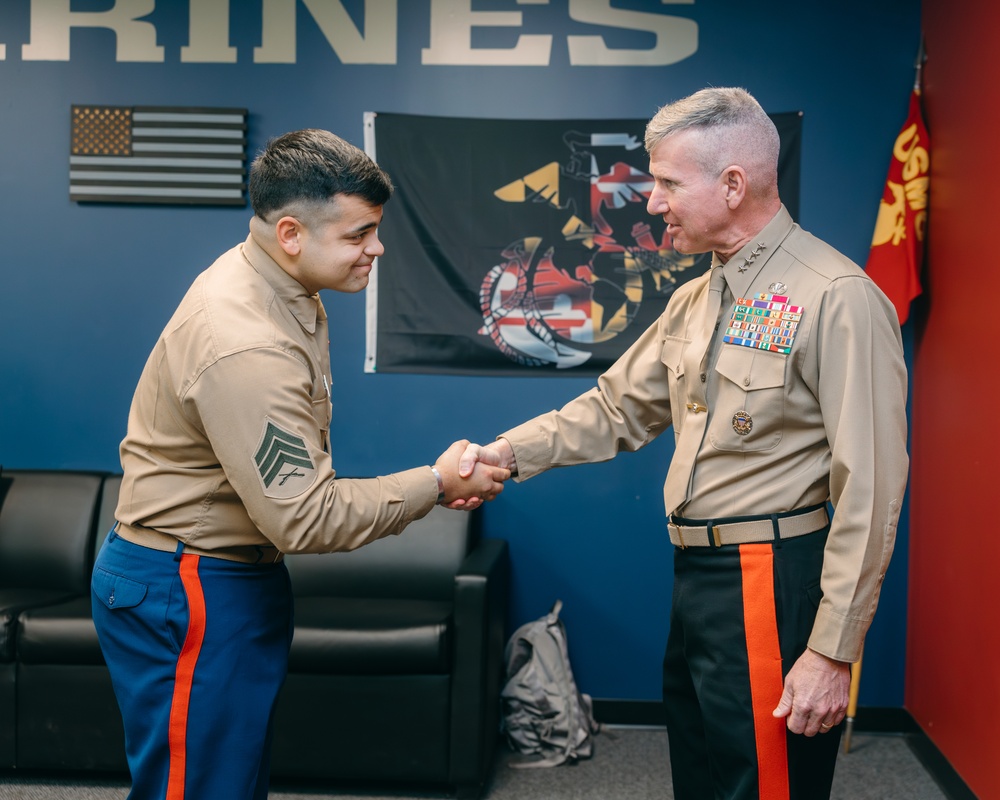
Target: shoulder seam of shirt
<point>831,265</point>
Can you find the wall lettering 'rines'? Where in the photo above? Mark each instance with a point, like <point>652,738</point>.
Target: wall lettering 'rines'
<point>450,28</point>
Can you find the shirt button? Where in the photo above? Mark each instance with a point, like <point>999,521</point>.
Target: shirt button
<point>746,381</point>
<point>703,377</point>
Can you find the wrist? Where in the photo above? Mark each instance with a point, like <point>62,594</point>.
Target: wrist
<point>507,457</point>
<point>828,660</point>
<point>440,483</point>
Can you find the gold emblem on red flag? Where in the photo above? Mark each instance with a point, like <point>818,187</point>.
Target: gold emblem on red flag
<point>896,253</point>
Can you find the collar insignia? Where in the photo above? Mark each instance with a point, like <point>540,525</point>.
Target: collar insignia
<point>750,258</point>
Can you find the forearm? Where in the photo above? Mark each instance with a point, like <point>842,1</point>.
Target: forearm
<point>628,408</point>
<point>863,394</point>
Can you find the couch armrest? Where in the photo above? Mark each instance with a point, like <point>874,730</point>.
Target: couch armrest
<point>482,588</point>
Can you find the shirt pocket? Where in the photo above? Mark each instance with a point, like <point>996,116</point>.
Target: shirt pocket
<point>116,591</point>
<point>672,354</point>
<point>750,395</point>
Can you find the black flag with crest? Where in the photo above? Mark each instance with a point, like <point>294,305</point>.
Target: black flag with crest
<point>517,247</point>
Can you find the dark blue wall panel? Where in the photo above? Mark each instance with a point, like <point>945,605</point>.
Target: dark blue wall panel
<point>86,289</point>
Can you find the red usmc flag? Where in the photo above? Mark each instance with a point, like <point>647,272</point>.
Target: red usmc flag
<point>898,244</point>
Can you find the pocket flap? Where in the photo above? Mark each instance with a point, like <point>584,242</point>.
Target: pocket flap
<point>672,354</point>
<point>751,368</point>
<point>115,591</point>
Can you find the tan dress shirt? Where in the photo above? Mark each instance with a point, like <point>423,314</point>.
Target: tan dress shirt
<point>228,435</point>
<point>826,420</point>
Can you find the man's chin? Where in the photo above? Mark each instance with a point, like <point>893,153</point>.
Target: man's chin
<point>361,276</point>
<point>687,249</point>
<point>352,286</point>
<point>680,247</point>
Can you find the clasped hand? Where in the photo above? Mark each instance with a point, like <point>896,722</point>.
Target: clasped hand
<point>470,475</point>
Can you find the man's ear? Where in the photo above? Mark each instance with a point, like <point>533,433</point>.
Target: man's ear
<point>288,232</point>
<point>735,182</point>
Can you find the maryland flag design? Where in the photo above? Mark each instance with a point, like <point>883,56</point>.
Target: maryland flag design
<point>519,247</point>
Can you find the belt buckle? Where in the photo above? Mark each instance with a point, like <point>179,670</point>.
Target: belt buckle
<point>716,535</point>
<point>266,554</point>
<point>680,536</point>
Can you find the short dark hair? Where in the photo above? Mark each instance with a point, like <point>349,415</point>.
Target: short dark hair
<point>313,166</point>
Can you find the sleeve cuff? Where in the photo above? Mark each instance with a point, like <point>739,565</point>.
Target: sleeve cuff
<point>419,489</point>
<point>838,638</point>
<point>532,450</point>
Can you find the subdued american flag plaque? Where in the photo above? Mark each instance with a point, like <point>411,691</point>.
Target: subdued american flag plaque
<point>150,154</point>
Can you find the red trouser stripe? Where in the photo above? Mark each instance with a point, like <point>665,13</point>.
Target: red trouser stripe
<point>764,655</point>
<point>184,677</point>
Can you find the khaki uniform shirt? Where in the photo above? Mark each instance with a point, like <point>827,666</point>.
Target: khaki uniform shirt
<point>826,420</point>
<point>228,434</point>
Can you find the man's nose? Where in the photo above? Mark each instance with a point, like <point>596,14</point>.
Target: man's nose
<point>657,203</point>
<point>375,247</point>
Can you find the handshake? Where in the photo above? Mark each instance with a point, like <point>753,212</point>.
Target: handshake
<point>472,474</point>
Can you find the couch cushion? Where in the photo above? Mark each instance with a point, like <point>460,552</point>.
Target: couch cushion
<point>12,604</point>
<point>106,511</point>
<point>46,520</point>
<point>46,529</point>
<point>59,634</point>
<point>421,562</point>
<point>371,728</point>
<point>371,636</point>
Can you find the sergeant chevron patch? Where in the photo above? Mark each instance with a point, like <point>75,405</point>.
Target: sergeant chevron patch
<point>282,462</point>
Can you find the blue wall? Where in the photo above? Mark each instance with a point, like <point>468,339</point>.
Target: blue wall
<point>86,289</point>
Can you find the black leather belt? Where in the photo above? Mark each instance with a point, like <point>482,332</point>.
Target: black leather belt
<point>746,530</point>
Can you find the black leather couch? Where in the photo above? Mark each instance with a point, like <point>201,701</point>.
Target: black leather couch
<point>395,667</point>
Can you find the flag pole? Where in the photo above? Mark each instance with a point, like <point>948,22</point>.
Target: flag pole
<point>919,65</point>
<point>852,704</point>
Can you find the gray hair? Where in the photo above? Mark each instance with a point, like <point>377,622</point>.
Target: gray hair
<point>734,130</point>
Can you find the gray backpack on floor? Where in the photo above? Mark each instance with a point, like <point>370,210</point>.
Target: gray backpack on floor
<point>544,716</point>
